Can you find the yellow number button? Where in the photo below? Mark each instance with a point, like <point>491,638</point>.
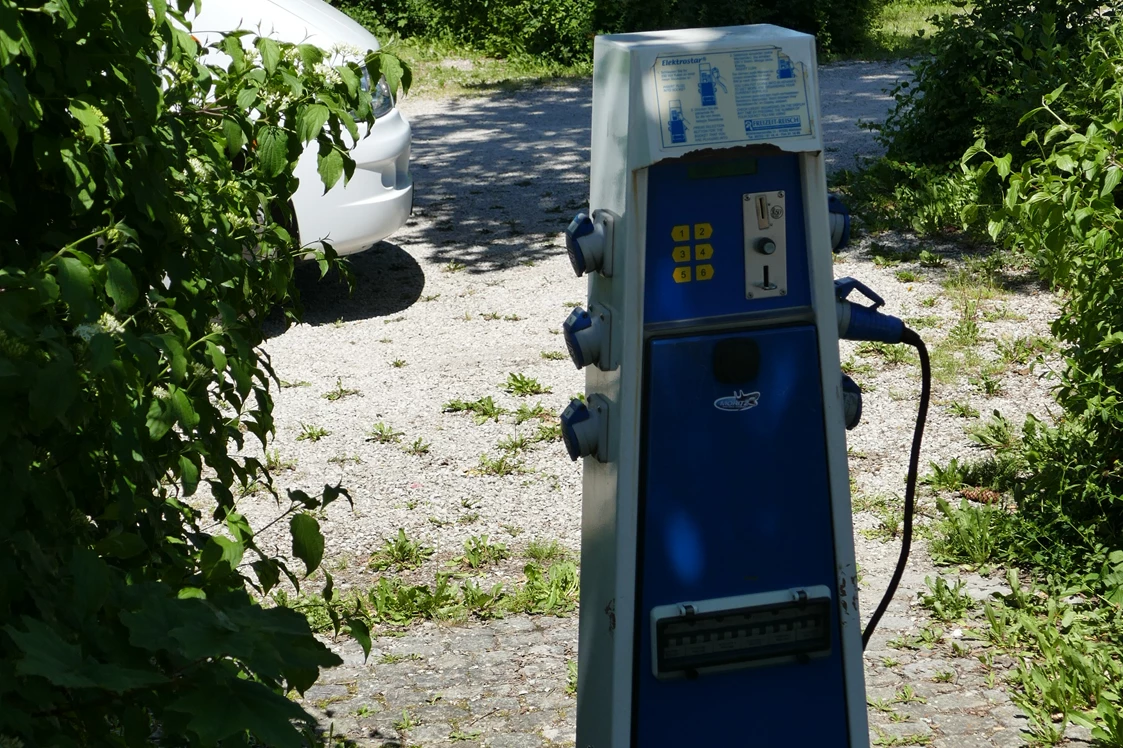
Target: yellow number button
<point>703,251</point>
<point>681,254</point>
<point>704,272</point>
<point>680,233</point>
<point>682,275</point>
<point>703,231</point>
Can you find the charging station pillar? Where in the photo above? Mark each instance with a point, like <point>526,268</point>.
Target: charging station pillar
<point>718,587</point>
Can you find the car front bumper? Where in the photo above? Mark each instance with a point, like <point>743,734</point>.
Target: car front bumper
<point>375,202</point>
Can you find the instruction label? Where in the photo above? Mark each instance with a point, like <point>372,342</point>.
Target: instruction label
<point>741,96</point>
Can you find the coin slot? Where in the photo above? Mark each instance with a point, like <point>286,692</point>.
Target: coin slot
<point>762,221</point>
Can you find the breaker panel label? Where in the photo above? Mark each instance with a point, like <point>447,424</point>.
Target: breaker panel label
<point>742,96</point>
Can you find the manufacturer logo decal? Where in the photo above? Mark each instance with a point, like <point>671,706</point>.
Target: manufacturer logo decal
<point>739,401</point>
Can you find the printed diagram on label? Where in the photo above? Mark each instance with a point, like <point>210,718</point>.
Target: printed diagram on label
<point>741,96</point>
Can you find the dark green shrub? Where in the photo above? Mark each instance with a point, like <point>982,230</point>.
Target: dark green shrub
<point>987,68</point>
<point>144,198</point>
<point>1062,207</point>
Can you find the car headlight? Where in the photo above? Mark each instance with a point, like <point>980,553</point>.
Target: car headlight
<point>381,101</point>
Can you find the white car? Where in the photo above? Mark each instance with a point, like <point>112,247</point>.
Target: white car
<point>379,197</point>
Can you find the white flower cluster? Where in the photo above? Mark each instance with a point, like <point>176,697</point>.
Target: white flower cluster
<point>107,324</point>
<point>198,168</point>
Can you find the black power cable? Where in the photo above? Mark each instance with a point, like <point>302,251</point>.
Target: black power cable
<point>910,338</point>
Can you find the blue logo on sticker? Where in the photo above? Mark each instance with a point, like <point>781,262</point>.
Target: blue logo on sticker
<point>773,123</point>
<point>738,402</point>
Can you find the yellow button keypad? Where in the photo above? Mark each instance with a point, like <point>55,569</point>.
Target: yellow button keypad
<point>681,233</point>
<point>682,254</point>
<point>682,275</point>
<point>703,251</point>
<point>704,272</point>
<point>703,231</point>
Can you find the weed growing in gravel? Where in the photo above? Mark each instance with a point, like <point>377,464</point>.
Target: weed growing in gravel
<point>275,463</point>
<point>968,534</point>
<point>527,412</point>
<point>417,447</point>
<point>288,385</point>
<point>453,267</point>
<point>947,603</point>
<point>395,319</point>
<point>483,409</point>
<point>339,391</point>
<point>400,552</point>
<point>548,432</point>
<point>995,433</point>
<point>406,722</point>
<point>470,518</point>
<point>931,259</point>
<point>553,355</point>
<point>962,409</point>
<point>338,323</point>
<point>398,363</point>
<point>389,658</point>
<point>431,297</point>
<point>890,354</point>
<point>385,340</point>
<point>908,276</point>
<point>311,432</point>
<point>887,739</point>
<point>922,323</point>
<point>343,459</point>
<point>944,477</point>
<point>881,705</point>
<point>513,530</point>
<point>551,591</point>
<point>928,302</point>
<point>457,736</point>
<point>1022,350</point>
<point>1003,312</point>
<point>909,696</point>
<point>572,304</point>
<point>503,465</point>
<point>944,676</point>
<point>988,383</point>
<point>890,662</point>
<point>571,678</point>
<point>964,334</point>
<point>856,368</point>
<point>545,550</point>
<point>514,443</point>
<point>578,396</point>
<point>480,552</point>
<point>383,434</point>
<point>523,386</point>
<point>491,316</point>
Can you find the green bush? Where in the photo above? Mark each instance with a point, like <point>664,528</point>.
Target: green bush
<point>987,68</point>
<point>563,30</point>
<point>1062,205</point>
<point>144,197</point>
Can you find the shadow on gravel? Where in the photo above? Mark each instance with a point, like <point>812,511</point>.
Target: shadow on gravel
<point>498,178</point>
<point>387,280</point>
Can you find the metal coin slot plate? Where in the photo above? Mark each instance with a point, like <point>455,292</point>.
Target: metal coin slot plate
<point>767,628</point>
<point>766,244</point>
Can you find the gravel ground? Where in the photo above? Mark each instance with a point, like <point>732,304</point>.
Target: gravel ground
<point>476,288</point>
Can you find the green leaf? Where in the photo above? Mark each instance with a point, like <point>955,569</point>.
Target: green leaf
<point>220,557</point>
<point>218,358</point>
<point>307,541</point>
<point>396,74</point>
<point>272,150</point>
<point>221,710</point>
<point>184,412</point>
<point>1064,162</point>
<point>310,55</point>
<point>361,633</point>
<point>120,284</point>
<point>330,168</point>
<point>1003,165</point>
<point>189,473</point>
<point>89,117</point>
<point>160,418</point>
<point>270,53</point>
<point>232,132</point>
<point>53,390</point>
<point>311,122</point>
<point>268,574</point>
<point>77,288</point>
<point>160,10</point>
<point>1111,181</point>
<point>47,655</point>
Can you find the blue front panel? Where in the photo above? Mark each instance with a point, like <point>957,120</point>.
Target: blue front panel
<point>687,195</point>
<point>735,502</point>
